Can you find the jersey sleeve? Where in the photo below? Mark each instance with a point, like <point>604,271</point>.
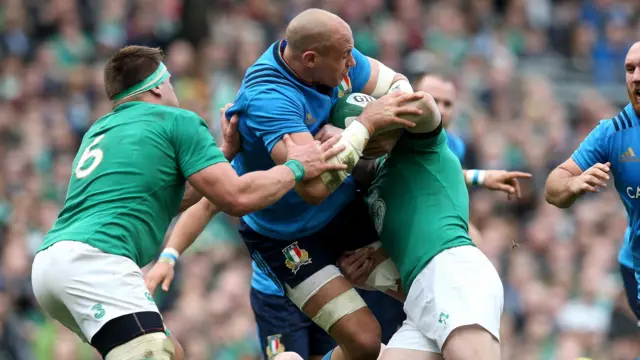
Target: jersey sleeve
<point>421,142</point>
<point>195,147</point>
<point>593,148</point>
<point>360,73</point>
<point>273,113</point>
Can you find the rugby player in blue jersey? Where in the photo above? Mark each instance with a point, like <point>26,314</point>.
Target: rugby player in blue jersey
<point>290,90</point>
<point>610,149</point>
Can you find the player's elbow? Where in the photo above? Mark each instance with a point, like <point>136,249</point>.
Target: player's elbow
<point>240,205</point>
<point>554,200</point>
<point>551,195</point>
<point>234,203</point>
<point>313,193</point>
<point>312,198</point>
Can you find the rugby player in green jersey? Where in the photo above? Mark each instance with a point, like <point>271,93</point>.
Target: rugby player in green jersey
<point>452,294</point>
<point>127,183</point>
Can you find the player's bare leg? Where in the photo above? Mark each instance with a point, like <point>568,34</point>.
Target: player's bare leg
<point>471,342</point>
<point>358,333</point>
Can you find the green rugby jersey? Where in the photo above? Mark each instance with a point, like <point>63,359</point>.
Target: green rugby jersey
<point>419,203</point>
<point>129,176</point>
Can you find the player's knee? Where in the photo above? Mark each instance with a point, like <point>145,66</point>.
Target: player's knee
<point>366,345</point>
<point>362,345</point>
<point>289,355</point>
<point>155,346</point>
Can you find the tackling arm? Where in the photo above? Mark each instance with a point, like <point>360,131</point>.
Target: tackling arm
<point>313,191</point>
<point>191,196</point>
<point>191,224</point>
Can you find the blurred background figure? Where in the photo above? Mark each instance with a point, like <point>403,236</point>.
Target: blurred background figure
<point>533,77</point>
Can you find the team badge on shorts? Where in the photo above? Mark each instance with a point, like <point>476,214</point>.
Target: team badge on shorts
<point>296,257</point>
<point>274,346</point>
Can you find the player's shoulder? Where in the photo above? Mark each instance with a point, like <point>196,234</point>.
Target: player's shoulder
<point>617,125</point>
<point>626,119</point>
<point>173,113</point>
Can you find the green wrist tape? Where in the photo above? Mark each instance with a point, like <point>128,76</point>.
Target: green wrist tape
<point>297,168</point>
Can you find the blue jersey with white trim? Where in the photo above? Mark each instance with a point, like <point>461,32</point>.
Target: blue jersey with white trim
<point>456,145</point>
<point>616,141</point>
<point>272,102</point>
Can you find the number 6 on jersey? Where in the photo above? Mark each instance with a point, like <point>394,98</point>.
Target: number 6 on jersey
<point>89,153</point>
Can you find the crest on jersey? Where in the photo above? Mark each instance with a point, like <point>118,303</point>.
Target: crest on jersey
<point>295,257</point>
<point>345,86</point>
<point>274,346</point>
<point>377,210</point>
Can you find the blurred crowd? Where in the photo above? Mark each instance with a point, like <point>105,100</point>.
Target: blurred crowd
<point>533,76</point>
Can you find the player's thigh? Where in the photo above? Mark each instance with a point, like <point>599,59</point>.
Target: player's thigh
<point>409,342</point>
<point>470,293</point>
<point>306,269</point>
<point>471,342</point>
<point>98,289</point>
<point>281,325</point>
<point>631,289</point>
<point>388,311</point>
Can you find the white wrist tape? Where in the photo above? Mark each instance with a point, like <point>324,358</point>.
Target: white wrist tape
<point>385,80</point>
<point>169,255</point>
<point>354,138</point>
<point>401,85</point>
<point>475,177</point>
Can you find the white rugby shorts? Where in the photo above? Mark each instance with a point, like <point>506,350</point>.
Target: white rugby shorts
<point>458,287</point>
<point>83,288</point>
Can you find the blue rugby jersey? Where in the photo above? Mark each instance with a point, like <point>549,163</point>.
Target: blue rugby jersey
<point>272,102</point>
<point>615,141</point>
<point>456,145</point>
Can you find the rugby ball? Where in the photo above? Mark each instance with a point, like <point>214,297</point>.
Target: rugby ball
<point>347,109</point>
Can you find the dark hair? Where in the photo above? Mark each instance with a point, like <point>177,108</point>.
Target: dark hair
<point>129,66</point>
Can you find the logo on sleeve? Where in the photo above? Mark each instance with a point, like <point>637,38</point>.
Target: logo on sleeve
<point>628,156</point>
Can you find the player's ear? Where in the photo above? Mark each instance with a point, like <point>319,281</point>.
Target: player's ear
<point>310,58</point>
<point>156,91</point>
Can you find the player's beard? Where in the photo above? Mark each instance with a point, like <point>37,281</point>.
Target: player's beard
<point>635,100</point>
